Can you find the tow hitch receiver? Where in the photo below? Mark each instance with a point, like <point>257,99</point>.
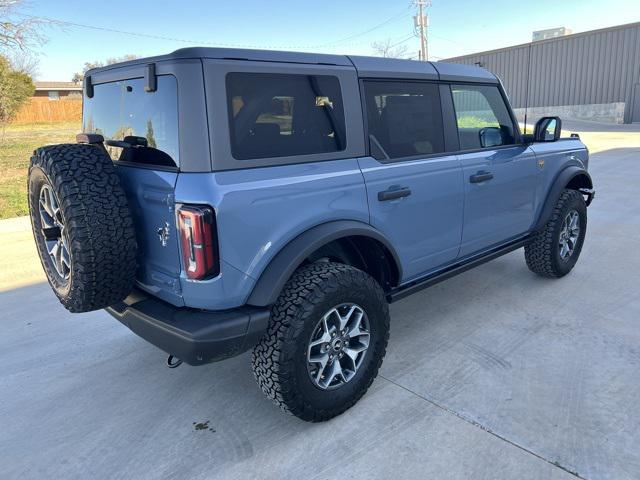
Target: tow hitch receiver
<point>173,362</point>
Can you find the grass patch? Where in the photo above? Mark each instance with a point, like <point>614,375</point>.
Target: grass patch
<point>16,146</point>
<point>468,121</point>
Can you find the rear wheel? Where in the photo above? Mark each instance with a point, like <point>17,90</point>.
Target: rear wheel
<point>81,225</point>
<point>325,343</point>
<point>555,249</point>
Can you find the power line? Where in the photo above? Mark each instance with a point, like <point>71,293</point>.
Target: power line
<point>401,41</point>
<point>202,42</point>
<point>134,34</point>
<point>387,21</point>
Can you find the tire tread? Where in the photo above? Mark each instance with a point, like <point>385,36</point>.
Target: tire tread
<point>273,368</point>
<point>539,254</point>
<point>98,220</point>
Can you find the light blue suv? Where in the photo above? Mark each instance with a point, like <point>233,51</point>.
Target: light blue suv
<point>225,200</point>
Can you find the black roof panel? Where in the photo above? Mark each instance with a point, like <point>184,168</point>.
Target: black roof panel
<point>373,67</point>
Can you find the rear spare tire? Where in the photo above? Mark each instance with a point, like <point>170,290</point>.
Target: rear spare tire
<point>81,225</point>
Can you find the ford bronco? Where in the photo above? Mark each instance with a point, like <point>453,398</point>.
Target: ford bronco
<point>223,200</point>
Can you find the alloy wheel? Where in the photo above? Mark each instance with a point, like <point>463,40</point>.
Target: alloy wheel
<point>53,232</point>
<point>569,234</point>
<point>338,345</point>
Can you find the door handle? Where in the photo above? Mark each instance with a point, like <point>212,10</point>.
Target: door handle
<point>481,177</point>
<point>394,193</point>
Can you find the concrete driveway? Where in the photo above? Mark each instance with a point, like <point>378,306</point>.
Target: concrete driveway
<point>493,374</point>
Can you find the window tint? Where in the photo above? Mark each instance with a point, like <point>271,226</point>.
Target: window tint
<point>278,115</point>
<point>404,117</point>
<point>123,109</point>
<point>480,107</point>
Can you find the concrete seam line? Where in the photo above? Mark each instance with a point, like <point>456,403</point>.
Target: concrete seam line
<point>482,427</point>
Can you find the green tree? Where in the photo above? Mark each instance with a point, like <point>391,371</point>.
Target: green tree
<point>15,89</point>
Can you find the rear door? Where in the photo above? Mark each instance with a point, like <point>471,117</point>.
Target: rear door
<point>500,174</point>
<point>147,158</point>
<point>414,189</point>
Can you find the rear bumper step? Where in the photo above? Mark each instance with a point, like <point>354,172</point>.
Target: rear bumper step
<point>194,336</point>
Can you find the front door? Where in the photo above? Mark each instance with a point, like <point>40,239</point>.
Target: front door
<point>500,175</point>
<point>415,190</point>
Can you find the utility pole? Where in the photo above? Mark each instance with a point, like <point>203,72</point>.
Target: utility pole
<point>420,23</point>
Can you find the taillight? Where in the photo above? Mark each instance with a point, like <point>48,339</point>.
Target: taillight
<point>198,239</point>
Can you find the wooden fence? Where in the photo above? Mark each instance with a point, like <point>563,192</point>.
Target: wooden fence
<point>38,110</point>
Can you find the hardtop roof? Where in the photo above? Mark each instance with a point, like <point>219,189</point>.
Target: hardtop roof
<point>377,67</point>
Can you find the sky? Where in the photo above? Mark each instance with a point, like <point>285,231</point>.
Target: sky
<point>456,27</point>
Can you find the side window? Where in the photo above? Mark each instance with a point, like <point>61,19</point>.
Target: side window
<point>404,117</point>
<point>281,115</point>
<point>482,117</point>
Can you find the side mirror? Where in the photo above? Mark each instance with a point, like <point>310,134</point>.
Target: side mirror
<point>490,137</point>
<point>547,129</point>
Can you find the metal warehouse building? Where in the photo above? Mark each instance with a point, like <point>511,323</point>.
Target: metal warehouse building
<point>592,75</point>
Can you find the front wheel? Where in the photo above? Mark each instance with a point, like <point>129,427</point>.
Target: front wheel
<point>555,249</point>
<point>326,340</point>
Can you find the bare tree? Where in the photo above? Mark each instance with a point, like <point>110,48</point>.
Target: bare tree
<point>18,30</point>
<point>77,77</point>
<point>388,49</point>
<point>24,62</point>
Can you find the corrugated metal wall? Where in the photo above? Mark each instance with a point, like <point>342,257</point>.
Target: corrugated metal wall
<point>600,66</point>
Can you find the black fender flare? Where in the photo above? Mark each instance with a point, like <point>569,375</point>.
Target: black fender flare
<point>288,259</point>
<point>561,181</point>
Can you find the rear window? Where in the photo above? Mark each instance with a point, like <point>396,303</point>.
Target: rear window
<point>281,115</point>
<point>404,117</point>
<point>123,109</point>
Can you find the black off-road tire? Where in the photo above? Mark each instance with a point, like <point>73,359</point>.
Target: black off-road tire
<point>542,254</point>
<point>279,360</point>
<point>98,229</point>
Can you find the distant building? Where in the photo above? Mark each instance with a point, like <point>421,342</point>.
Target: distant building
<point>56,90</point>
<point>591,75</point>
<point>550,33</point>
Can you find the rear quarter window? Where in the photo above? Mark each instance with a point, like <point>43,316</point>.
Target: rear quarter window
<point>123,109</point>
<point>283,115</point>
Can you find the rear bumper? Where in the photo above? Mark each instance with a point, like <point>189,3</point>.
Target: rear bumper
<point>194,336</point>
